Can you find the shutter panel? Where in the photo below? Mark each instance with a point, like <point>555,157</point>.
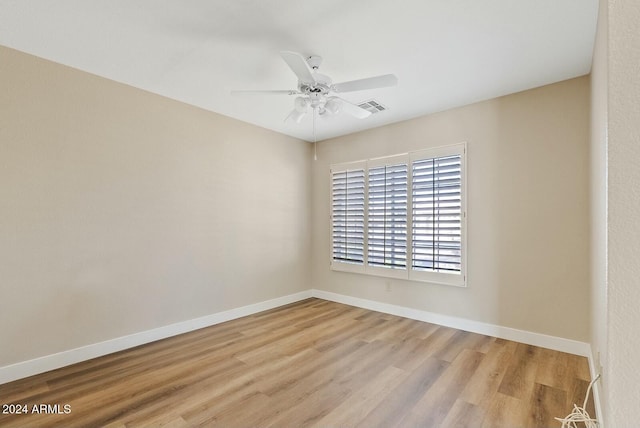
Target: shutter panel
<point>437,214</point>
<point>387,216</point>
<point>347,216</point>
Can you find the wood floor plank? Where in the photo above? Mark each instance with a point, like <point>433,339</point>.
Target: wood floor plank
<point>402,398</point>
<point>580,365</point>
<point>425,349</point>
<point>577,392</point>
<point>505,411</point>
<point>357,406</point>
<point>464,415</point>
<point>395,329</point>
<point>519,380</point>
<point>303,398</point>
<point>326,388</point>
<point>227,413</point>
<point>302,373</point>
<point>312,363</point>
<point>554,369</point>
<point>198,397</point>
<point>459,341</point>
<point>437,401</point>
<point>485,381</point>
<point>546,403</point>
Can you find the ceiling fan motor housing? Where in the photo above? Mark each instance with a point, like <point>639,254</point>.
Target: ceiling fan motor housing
<point>321,85</point>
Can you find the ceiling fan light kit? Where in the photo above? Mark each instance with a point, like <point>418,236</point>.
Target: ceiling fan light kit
<point>333,105</point>
<point>315,90</point>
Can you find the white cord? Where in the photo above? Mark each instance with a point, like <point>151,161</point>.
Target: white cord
<point>579,414</point>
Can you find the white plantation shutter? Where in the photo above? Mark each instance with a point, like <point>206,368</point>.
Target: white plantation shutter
<point>387,216</point>
<point>402,216</point>
<point>347,215</point>
<point>437,214</point>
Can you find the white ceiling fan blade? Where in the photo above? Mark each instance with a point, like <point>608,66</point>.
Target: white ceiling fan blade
<point>353,110</point>
<point>299,66</point>
<point>368,83</point>
<point>296,115</point>
<point>267,92</point>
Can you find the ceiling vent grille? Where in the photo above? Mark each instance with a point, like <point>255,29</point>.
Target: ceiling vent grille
<point>372,106</point>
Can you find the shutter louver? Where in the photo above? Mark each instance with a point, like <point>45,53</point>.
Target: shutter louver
<point>437,214</point>
<point>347,216</point>
<point>387,216</point>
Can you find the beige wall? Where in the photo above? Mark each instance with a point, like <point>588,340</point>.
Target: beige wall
<point>122,211</point>
<point>622,374</point>
<point>528,210</point>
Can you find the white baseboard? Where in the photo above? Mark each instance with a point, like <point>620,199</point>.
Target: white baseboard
<point>530,338</point>
<point>72,356</point>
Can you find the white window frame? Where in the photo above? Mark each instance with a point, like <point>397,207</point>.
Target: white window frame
<point>408,273</point>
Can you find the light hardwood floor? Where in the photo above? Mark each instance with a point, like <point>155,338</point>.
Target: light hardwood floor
<point>312,363</point>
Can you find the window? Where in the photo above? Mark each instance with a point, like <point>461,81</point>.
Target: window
<point>347,214</point>
<point>401,216</point>
<point>438,215</point>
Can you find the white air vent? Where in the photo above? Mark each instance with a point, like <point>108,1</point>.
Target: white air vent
<point>372,106</point>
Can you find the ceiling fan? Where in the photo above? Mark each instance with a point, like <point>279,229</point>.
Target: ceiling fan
<point>317,90</point>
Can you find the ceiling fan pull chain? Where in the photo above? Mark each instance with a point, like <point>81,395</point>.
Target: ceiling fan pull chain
<point>315,152</point>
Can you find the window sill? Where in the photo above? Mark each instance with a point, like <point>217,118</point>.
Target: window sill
<point>417,276</point>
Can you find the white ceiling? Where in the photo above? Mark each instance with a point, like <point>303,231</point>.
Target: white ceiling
<point>445,53</point>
